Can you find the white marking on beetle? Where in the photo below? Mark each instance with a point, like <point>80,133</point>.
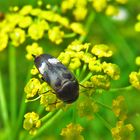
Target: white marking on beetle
<point>42,67</point>
<point>53,60</point>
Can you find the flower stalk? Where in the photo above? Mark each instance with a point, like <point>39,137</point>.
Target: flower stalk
<point>12,79</point>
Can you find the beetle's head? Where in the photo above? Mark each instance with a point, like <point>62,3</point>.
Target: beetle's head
<point>69,91</point>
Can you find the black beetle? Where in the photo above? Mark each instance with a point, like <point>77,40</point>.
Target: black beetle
<point>53,72</point>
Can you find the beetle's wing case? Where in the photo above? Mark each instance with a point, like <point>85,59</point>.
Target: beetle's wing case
<point>52,70</point>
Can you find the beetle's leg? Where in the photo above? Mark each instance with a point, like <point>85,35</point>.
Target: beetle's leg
<point>42,79</point>
<point>35,99</point>
<point>48,91</point>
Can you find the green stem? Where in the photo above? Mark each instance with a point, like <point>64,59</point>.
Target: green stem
<point>88,25</point>
<point>48,116</point>
<point>128,88</point>
<point>77,72</point>
<point>22,108</point>
<point>70,35</point>
<point>107,125</point>
<point>83,70</point>
<point>51,121</point>
<point>104,105</point>
<point>74,112</point>
<point>87,77</point>
<point>3,106</point>
<point>12,74</point>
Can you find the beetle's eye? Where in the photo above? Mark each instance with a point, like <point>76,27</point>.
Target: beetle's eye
<point>67,75</point>
<point>58,82</point>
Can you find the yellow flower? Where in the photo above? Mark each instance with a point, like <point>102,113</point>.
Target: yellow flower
<point>17,36</point>
<point>77,13</point>
<point>3,41</point>
<point>138,17</point>
<point>122,1</point>
<point>39,2</point>
<point>100,81</point>
<point>25,10</point>
<point>47,15</point>
<point>25,21</point>
<point>99,5</point>
<point>49,101</point>
<point>138,61</point>
<point>63,21</point>
<point>111,70</point>
<point>122,131</point>
<point>111,10</point>
<point>14,9</point>
<point>77,46</point>
<point>64,58</point>
<point>77,28</point>
<point>35,12</point>
<point>33,49</point>
<point>67,5</point>
<point>87,108</point>
<point>32,87</point>
<point>56,35</point>
<point>31,122</point>
<point>34,71</point>
<point>134,79</point>
<point>119,108</point>
<point>102,50</point>
<point>72,132</point>
<point>94,65</point>
<point>87,57</point>
<point>36,31</point>
<point>74,63</point>
<point>137,27</point>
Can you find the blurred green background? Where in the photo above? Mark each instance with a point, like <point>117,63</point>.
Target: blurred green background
<point>118,34</point>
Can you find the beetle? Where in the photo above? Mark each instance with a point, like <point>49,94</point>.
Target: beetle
<point>62,81</point>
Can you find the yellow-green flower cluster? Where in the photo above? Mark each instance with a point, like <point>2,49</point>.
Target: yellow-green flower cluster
<point>79,55</point>
<point>100,81</point>
<point>31,122</point>
<point>122,131</point>
<point>32,87</point>
<point>99,5</point>
<point>33,49</point>
<point>138,60</point>
<point>87,63</point>
<point>87,107</point>
<point>110,8</point>
<point>37,29</point>
<point>77,6</point>
<point>134,79</point>
<point>72,132</point>
<point>56,35</point>
<point>17,36</point>
<point>43,92</point>
<point>102,50</point>
<point>35,24</point>
<point>137,25</point>
<point>49,100</point>
<point>119,109</point>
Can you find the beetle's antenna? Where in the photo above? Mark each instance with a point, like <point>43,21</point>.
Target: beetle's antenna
<point>86,87</point>
<point>34,56</point>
